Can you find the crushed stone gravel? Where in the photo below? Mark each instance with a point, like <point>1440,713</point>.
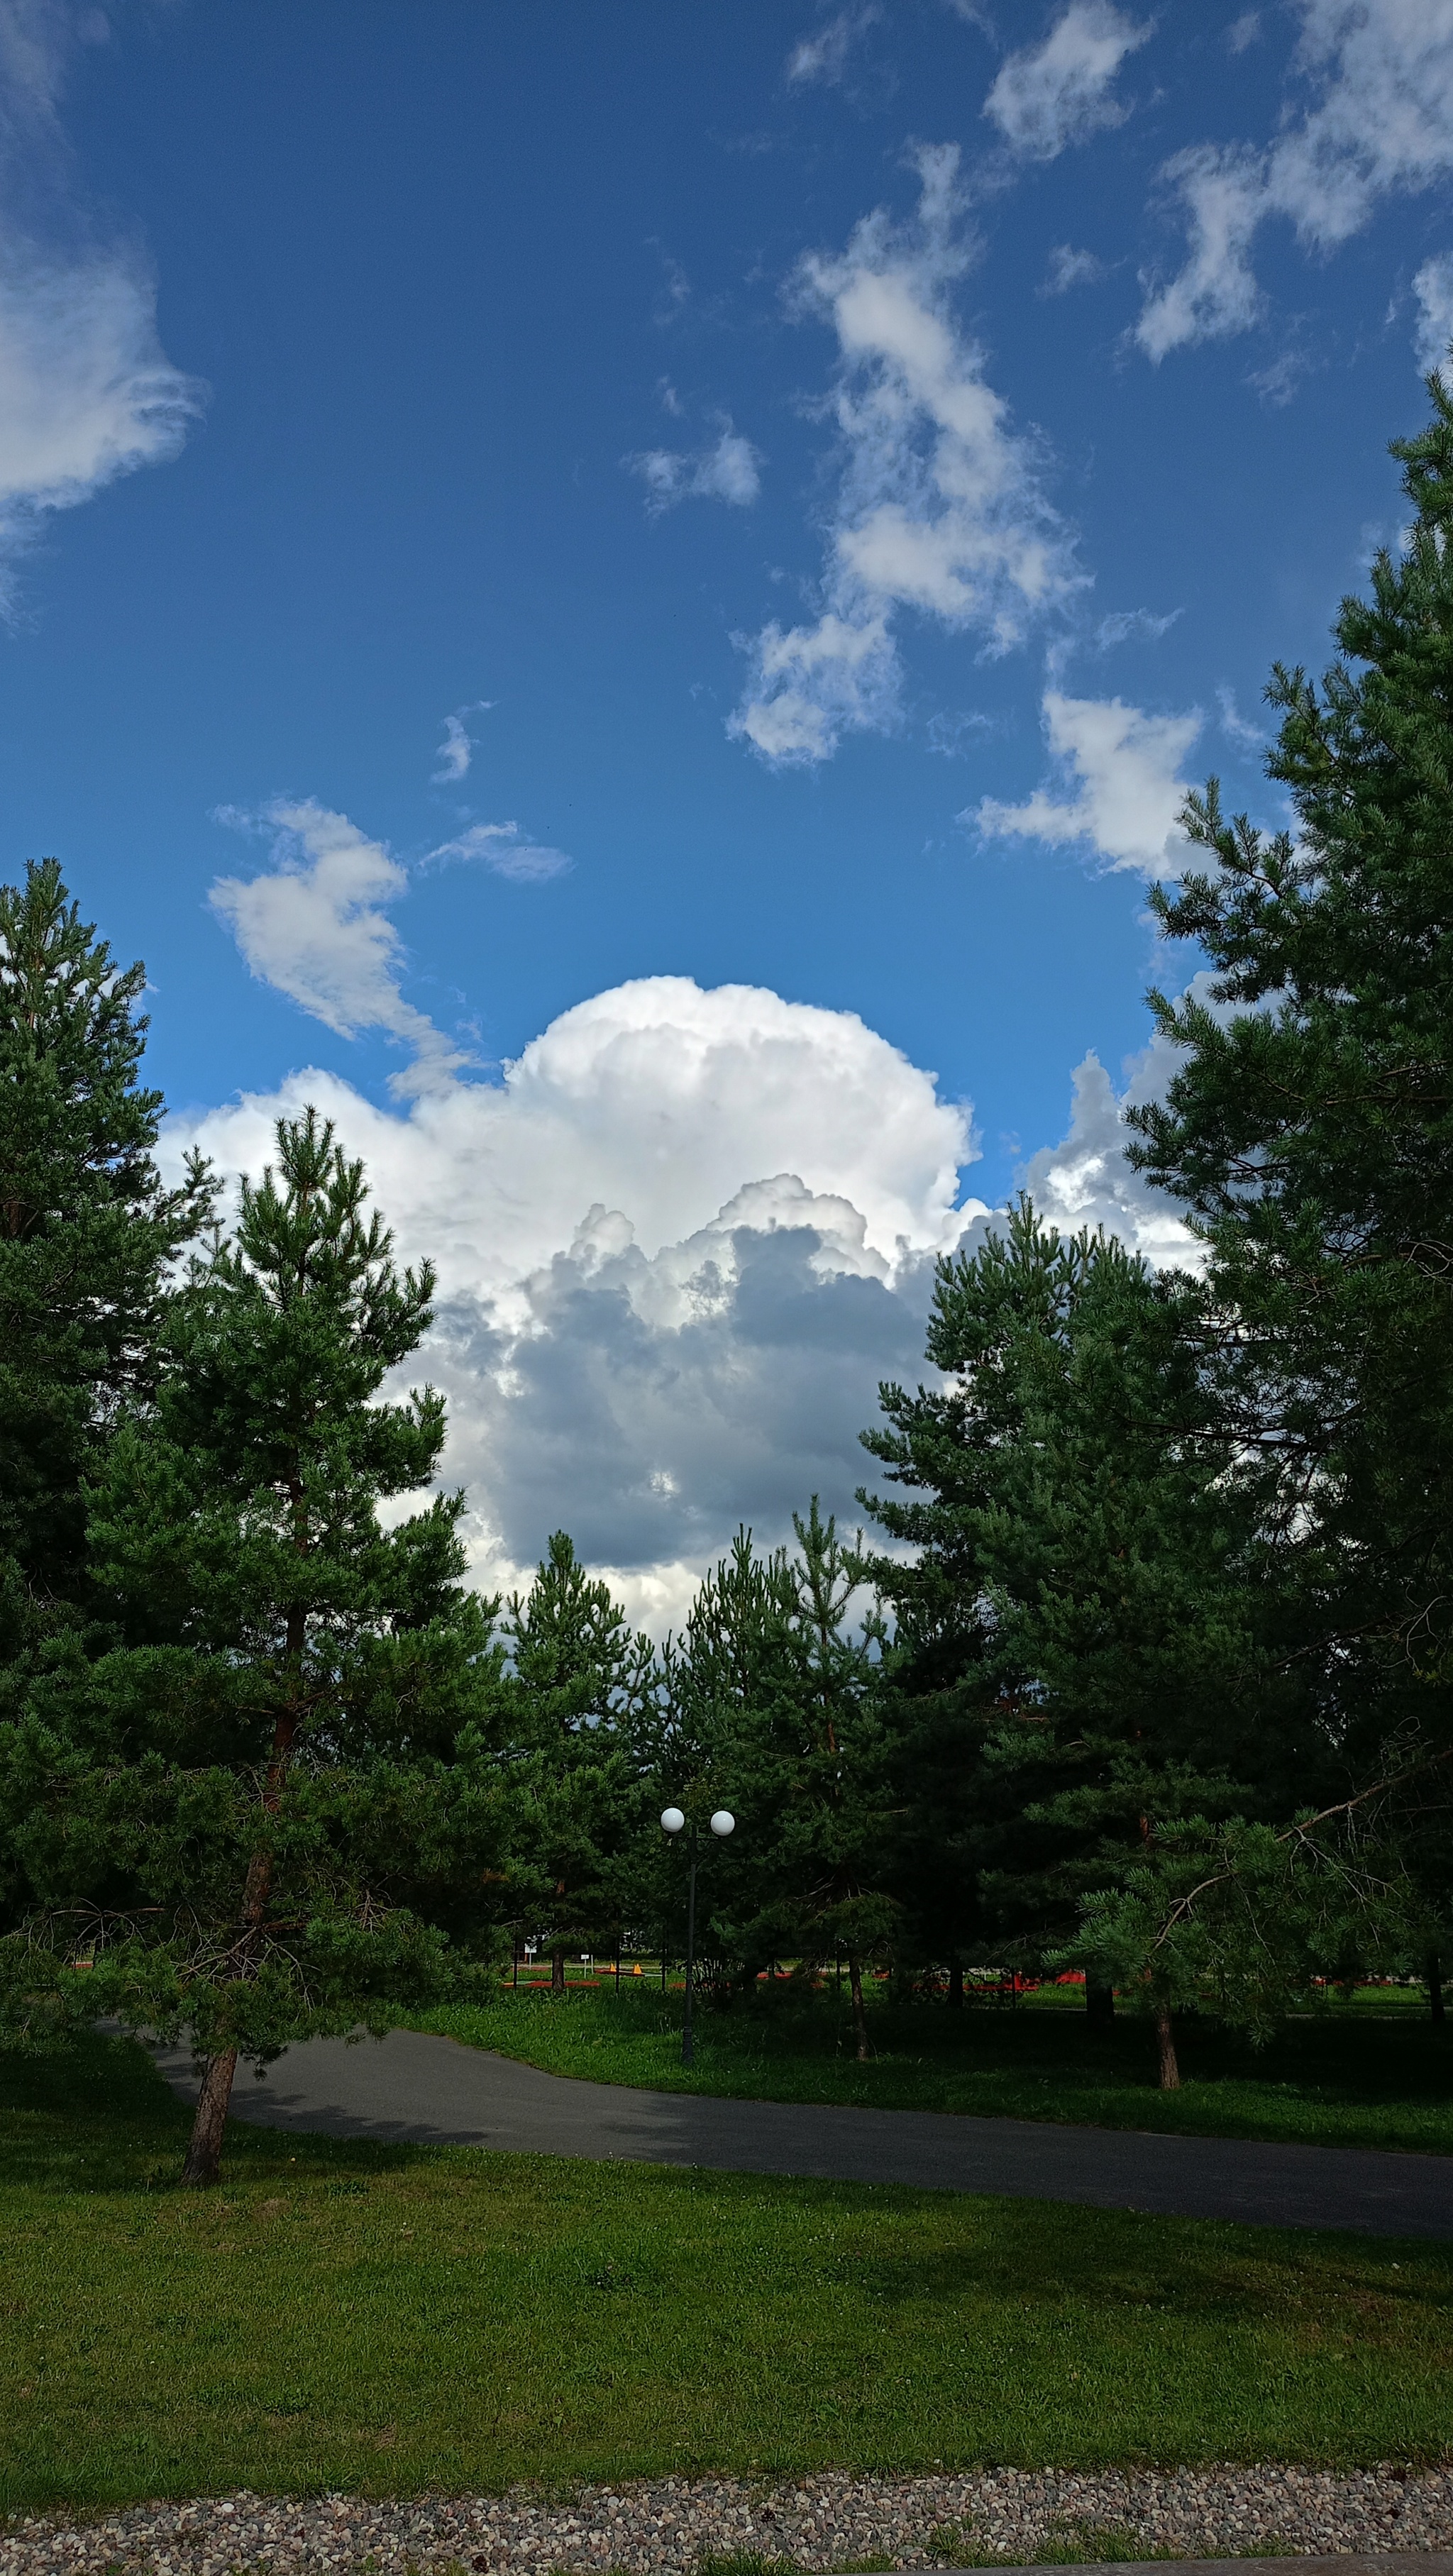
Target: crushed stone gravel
<point>666,2526</point>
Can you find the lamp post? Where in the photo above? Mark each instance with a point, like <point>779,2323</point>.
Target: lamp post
<point>674,1822</point>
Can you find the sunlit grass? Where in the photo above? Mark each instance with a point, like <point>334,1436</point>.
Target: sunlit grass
<point>393,2319</point>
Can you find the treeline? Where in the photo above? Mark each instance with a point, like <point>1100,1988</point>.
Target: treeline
<point>1144,1668</point>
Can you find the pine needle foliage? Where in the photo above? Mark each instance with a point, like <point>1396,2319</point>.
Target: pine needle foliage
<point>261,1816</point>
<point>1309,1125</point>
<point>88,1233</point>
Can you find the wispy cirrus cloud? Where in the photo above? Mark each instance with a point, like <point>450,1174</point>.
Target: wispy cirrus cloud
<point>1247,737</point>
<point>316,927</point>
<point>1061,91</point>
<point>729,470</point>
<point>508,851</point>
<point>1378,121</point>
<point>1141,623</point>
<point>456,751</point>
<point>1069,267</point>
<point>1433,288</point>
<point>939,506</point>
<point>87,393</point>
<point>825,55</point>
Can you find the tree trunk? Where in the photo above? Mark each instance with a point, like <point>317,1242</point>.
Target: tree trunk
<point>860,2018</point>
<point>204,2151</point>
<point>1099,2005</point>
<point>557,1972</point>
<point>1170,2071</point>
<point>956,1985</point>
<point>1435,1987</point>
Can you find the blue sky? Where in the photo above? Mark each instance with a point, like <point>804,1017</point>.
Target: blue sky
<point>830,474</point>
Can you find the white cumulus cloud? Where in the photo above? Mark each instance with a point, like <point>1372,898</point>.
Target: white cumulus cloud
<point>679,1244</point>
<point>659,1099</point>
<point>730,471</point>
<point>939,506</point>
<point>1379,119</point>
<point>1058,92</point>
<point>312,927</point>
<point>1086,1181</point>
<point>1122,787</point>
<point>652,1405</point>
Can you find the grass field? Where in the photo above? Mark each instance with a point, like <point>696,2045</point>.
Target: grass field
<point>1337,2077</point>
<point>392,2319</point>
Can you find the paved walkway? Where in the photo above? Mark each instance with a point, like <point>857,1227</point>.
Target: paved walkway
<point>413,2087</point>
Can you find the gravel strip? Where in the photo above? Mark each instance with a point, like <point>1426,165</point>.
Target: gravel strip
<point>669,2524</point>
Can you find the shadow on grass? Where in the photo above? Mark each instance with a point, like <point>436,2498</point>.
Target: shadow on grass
<point>99,2118</point>
<point>395,2319</point>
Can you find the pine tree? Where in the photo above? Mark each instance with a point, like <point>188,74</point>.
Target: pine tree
<point>261,1816</point>
<point>578,1677</point>
<point>734,1659</point>
<point>87,1235</point>
<point>1309,1127</point>
<point>769,1702</point>
<point>1097,1567</point>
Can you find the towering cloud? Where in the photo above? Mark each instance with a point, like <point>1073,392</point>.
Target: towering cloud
<point>680,1242</point>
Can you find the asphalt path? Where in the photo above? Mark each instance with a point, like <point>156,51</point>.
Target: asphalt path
<point>414,2088</point>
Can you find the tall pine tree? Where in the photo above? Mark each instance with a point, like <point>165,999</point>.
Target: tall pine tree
<point>1090,1569</point>
<point>578,1678</point>
<point>1309,1127</point>
<point>768,1705</point>
<point>262,1815</point>
<point>87,1234</point>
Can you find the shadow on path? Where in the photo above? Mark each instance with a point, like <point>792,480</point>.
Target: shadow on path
<point>417,2089</point>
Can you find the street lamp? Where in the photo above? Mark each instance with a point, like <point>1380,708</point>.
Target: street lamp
<point>674,1822</point>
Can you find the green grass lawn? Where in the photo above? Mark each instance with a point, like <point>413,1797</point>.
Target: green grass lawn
<point>393,2319</point>
<point>1336,2077</point>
